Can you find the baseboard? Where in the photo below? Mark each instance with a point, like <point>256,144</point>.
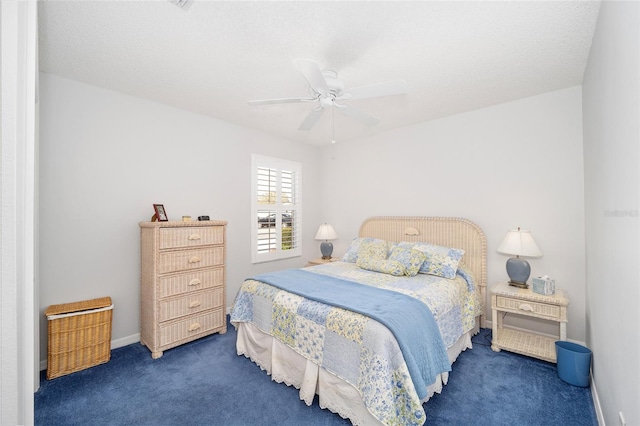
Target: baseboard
<point>596,401</point>
<point>117,343</point>
<point>124,341</point>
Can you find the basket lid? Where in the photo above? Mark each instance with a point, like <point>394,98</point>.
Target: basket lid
<point>66,308</point>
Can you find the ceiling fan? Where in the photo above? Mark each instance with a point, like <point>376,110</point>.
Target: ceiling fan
<point>328,92</point>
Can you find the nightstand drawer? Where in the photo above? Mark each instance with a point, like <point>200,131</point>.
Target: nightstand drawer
<point>528,307</point>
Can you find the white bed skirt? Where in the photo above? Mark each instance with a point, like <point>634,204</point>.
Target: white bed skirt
<point>287,366</point>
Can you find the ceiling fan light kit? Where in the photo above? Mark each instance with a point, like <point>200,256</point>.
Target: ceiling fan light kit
<point>328,91</point>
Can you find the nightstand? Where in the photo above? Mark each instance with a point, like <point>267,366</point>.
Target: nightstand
<point>321,261</point>
<point>523,301</point>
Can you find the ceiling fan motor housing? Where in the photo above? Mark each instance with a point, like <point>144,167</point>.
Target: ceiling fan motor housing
<point>335,86</point>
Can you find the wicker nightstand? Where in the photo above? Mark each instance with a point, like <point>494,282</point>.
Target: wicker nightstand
<point>321,261</point>
<point>507,299</point>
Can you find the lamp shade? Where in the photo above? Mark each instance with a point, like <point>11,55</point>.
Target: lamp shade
<point>326,233</point>
<point>519,243</point>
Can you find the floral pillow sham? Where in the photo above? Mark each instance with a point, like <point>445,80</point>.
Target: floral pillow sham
<point>411,259</point>
<point>441,261</point>
<point>405,258</point>
<point>386,266</point>
<point>401,261</point>
<point>356,245</point>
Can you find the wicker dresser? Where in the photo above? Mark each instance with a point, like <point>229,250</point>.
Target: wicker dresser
<point>182,288</point>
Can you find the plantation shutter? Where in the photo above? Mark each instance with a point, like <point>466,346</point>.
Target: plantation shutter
<point>276,209</point>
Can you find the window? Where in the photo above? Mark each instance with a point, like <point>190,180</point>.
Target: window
<point>276,209</point>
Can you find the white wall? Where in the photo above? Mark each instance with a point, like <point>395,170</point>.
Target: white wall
<point>611,93</point>
<point>515,164</point>
<point>105,158</point>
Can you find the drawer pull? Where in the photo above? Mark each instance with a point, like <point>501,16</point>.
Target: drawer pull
<point>194,304</point>
<point>195,281</point>
<point>194,237</point>
<point>194,326</point>
<point>194,259</point>
<point>525,307</point>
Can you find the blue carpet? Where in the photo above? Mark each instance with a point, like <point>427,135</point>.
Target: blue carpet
<point>206,383</point>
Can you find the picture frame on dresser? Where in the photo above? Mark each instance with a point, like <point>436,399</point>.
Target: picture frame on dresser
<point>160,213</point>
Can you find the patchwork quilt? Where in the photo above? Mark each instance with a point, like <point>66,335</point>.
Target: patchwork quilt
<point>354,347</point>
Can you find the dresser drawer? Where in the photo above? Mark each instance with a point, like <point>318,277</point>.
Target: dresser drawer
<point>190,327</point>
<point>190,304</point>
<point>553,312</point>
<point>190,259</point>
<point>191,237</point>
<point>174,285</point>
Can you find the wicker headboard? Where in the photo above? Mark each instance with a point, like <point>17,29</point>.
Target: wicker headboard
<point>445,231</point>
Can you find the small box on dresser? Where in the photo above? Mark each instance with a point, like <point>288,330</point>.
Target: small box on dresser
<point>182,285</point>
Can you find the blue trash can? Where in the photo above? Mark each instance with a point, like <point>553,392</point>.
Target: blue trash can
<point>574,362</point>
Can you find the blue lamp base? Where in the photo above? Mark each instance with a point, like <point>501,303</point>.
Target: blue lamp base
<point>326,248</point>
<point>518,271</point>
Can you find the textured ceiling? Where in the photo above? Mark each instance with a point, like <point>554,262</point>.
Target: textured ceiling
<point>213,57</point>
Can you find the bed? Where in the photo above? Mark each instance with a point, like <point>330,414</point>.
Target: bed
<point>378,367</point>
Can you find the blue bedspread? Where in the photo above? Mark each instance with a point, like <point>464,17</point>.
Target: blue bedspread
<point>422,346</point>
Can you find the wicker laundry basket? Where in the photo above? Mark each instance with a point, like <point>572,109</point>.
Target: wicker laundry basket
<point>79,335</point>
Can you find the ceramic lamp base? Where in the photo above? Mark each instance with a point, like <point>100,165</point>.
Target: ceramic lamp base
<point>326,248</point>
<point>518,271</point>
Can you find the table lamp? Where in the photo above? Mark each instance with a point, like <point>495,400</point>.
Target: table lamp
<point>326,233</point>
<point>519,243</point>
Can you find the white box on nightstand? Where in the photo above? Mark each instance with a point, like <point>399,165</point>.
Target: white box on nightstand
<point>543,285</point>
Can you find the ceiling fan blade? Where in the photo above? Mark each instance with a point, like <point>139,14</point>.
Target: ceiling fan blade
<point>357,114</point>
<point>387,88</point>
<point>313,74</point>
<point>281,101</point>
<point>311,119</point>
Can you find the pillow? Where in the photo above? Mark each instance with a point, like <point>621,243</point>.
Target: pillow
<point>377,249</point>
<point>354,249</point>
<point>386,266</point>
<point>440,261</point>
<point>411,259</point>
